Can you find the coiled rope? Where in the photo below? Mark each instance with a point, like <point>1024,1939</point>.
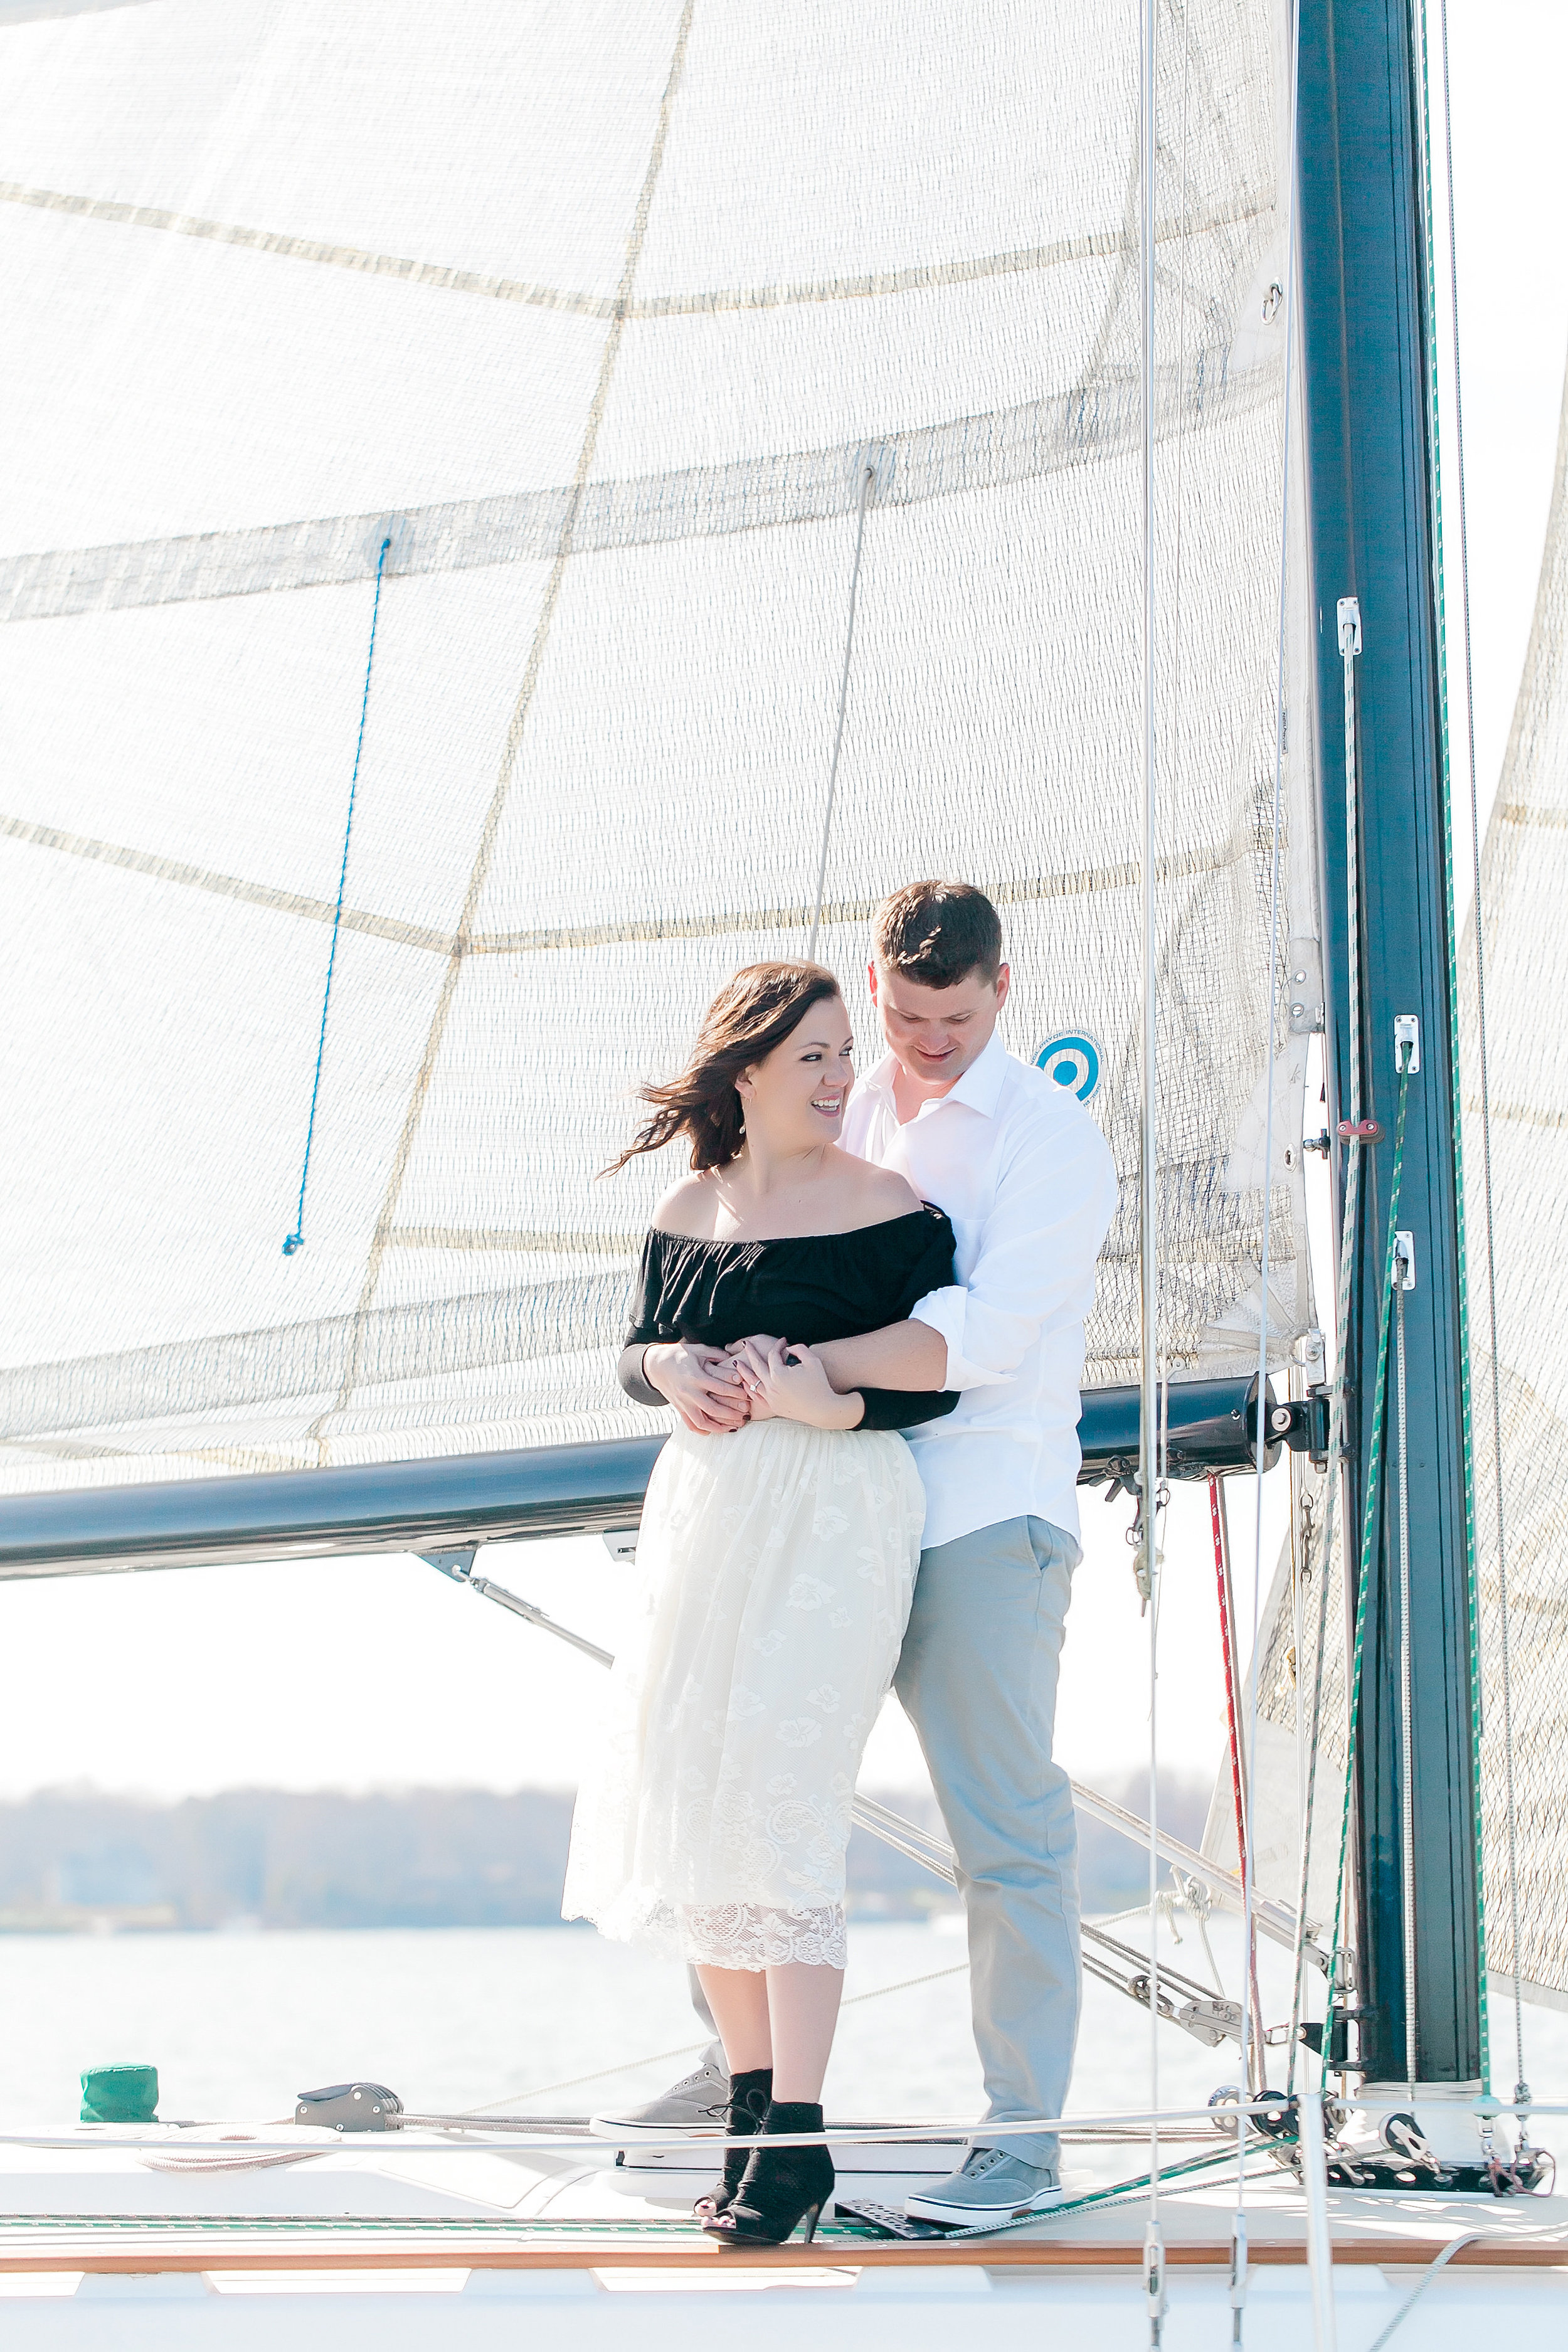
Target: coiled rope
<point>296,1240</point>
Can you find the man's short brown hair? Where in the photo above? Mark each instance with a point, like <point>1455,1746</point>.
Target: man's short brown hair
<point>938,933</point>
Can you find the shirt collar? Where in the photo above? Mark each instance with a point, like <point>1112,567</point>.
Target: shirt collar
<point>980,1087</point>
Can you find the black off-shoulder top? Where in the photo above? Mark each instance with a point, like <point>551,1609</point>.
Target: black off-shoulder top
<point>807,1288</point>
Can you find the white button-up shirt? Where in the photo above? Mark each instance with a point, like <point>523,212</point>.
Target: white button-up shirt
<point>1028,1182</point>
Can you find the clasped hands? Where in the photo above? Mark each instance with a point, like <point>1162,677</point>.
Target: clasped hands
<point>717,1389</point>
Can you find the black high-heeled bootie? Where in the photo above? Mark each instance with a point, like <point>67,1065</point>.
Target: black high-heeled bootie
<point>748,2104</point>
<point>781,2186</point>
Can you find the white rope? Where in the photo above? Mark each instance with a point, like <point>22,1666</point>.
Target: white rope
<point>868,477</point>
<point>1520,2088</point>
<point>1470,2238</point>
<point>531,2133</point>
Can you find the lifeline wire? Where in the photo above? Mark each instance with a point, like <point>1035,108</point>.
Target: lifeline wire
<point>1510,1818</point>
<point>686,2050</point>
<point>866,480</point>
<point>296,1240</point>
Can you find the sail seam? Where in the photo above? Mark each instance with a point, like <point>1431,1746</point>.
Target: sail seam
<point>1093,245</point>
<point>993,449</point>
<point>511,748</point>
<point>738,923</point>
<point>223,886</point>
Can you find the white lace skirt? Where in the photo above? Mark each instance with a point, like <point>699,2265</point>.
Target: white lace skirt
<point>775,1568</point>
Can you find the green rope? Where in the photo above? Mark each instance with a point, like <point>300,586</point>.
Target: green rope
<point>1472,1594</point>
<point>572,2228</point>
<point>1368,1536</point>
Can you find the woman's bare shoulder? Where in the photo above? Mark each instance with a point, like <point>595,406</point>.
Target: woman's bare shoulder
<point>689,1208</point>
<point>882,1194</point>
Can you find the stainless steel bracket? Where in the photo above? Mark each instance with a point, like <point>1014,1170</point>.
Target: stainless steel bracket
<point>1349,617</point>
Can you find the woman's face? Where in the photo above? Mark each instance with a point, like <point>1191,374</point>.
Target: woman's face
<point>793,1099</point>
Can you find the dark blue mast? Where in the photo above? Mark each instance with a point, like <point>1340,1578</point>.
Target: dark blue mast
<point>1371,460</point>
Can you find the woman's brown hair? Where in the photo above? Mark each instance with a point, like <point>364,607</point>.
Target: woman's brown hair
<point>752,1014</point>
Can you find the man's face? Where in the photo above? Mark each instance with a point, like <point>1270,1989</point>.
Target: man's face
<point>937,1033</point>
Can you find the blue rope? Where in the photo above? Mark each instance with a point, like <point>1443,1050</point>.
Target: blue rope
<point>296,1240</point>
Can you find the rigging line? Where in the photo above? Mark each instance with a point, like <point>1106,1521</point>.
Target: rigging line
<point>1252,2054</point>
<point>867,479</point>
<point>296,1240</point>
<point>686,2049</point>
<point>1511,1816</point>
<point>1445,786</point>
<point>1251,2018</point>
<point>1349,619</point>
<point>506,770</point>
<point>1406,1728</point>
<point>1153,2244</point>
<point>1375,1447</point>
<point>1181,424</point>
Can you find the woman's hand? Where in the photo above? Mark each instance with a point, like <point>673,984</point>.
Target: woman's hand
<point>788,1381</point>
<point>748,1373</point>
<point>703,1384</point>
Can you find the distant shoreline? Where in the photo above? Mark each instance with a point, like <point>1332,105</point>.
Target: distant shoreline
<point>76,1861</point>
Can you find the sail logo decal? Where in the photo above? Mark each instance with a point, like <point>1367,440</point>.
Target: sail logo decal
<point>1072,1060</point>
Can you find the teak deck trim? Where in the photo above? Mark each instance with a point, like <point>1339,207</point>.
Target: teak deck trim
<point>1062,2253</point>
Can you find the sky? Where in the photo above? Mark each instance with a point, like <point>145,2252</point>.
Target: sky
<point>382,1672</point>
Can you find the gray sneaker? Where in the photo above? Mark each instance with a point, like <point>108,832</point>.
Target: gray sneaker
<point>989,2186</point>
<point>699,2103</point>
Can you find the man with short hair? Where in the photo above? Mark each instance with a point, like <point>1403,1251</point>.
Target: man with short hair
<point>1028,1182</point>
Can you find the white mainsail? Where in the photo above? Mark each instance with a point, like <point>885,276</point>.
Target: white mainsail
<point>592,327</point>
<point>1524,883</point>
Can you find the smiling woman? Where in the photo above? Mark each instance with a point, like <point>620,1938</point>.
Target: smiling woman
<point>776,1559</point>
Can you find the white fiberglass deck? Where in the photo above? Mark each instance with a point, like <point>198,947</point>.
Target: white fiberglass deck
<point>409,2241</point>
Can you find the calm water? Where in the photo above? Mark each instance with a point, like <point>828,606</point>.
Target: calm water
<point>454,2017</point>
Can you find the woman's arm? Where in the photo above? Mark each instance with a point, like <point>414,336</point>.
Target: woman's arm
<point>702,1384</point>
<point>898,1356</point>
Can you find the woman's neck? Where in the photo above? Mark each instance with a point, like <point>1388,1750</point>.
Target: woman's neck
<point>760,1173</point>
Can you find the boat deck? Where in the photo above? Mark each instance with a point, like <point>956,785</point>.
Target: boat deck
<point>103,2245</point>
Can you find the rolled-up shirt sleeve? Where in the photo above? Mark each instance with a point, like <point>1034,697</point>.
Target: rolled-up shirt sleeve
<point>1036,1263</point>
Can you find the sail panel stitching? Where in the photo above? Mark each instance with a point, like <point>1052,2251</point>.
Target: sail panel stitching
<point>513,747</point>
<point>1093,245</point>
<point>992,450</point>
<point>725,923</point>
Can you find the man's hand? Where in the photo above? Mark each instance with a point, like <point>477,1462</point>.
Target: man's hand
<point>790,1383</point>
<point>704,1384</point>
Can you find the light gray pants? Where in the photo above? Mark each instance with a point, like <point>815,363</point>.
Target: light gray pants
<point>978,1680</point>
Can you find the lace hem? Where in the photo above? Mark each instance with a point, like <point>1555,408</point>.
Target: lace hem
<point>752,1935</point>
